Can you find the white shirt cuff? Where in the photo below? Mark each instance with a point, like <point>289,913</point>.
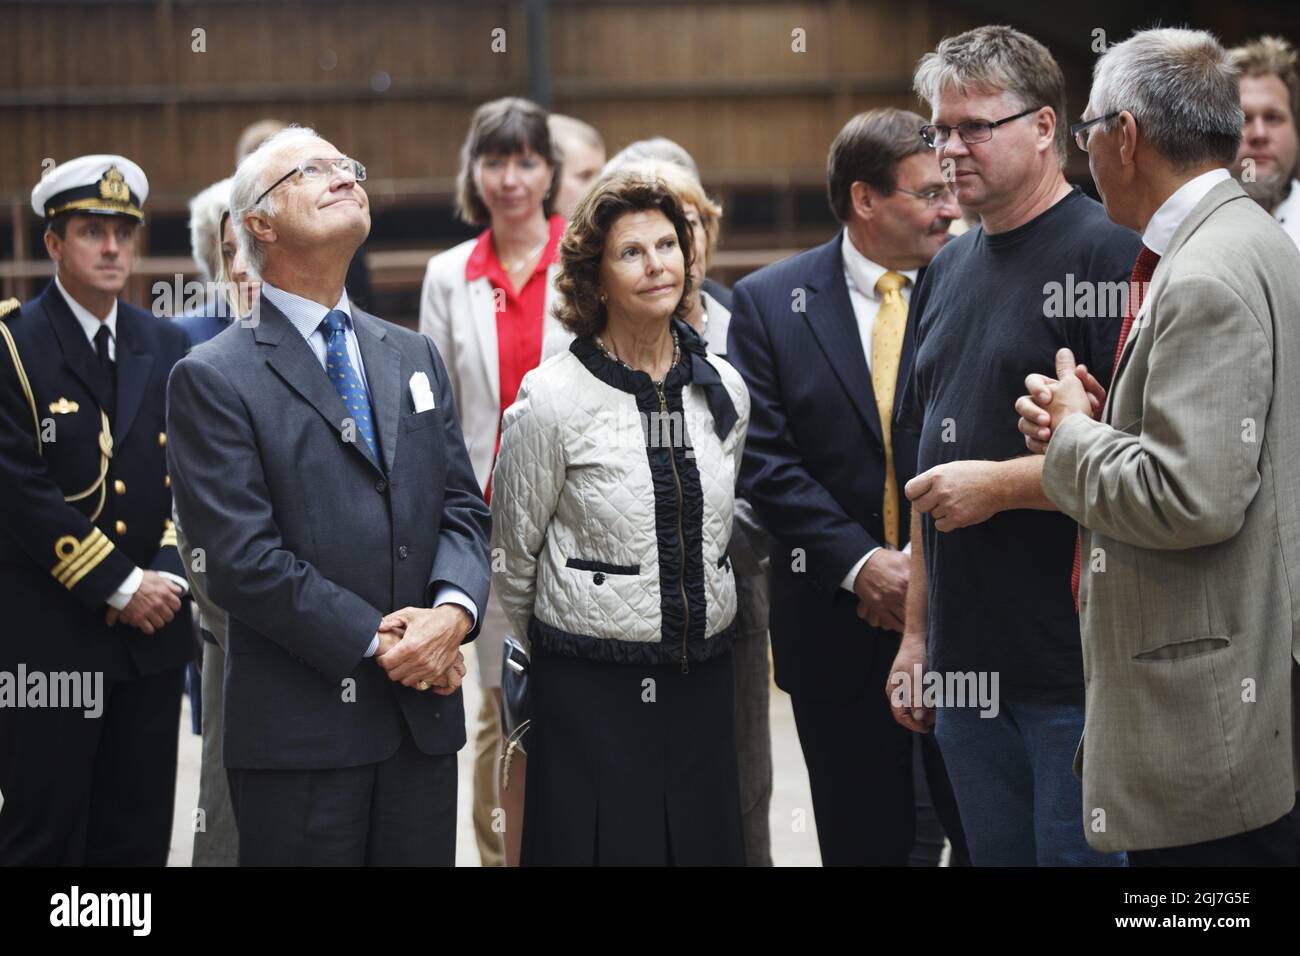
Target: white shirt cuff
<point>374,646</point>
<point>847,583</point>
<point>177,580</point>
<point>450,594</point>
<point>126,590</point>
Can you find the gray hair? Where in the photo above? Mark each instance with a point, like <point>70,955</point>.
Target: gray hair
<point>658,149</point>
<point>206,210</point>
<point>251,179</point>
<point>1181,87</point>
<point>991,60</point>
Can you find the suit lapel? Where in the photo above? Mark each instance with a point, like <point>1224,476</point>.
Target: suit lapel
<point>909,346</point>
<point>77,352</point>
<point>133,370</point>
<point>482,307</point>
<point>293,360</point>
<point>830,314</point>
<point>383,376</point>
<point>1226,191</point>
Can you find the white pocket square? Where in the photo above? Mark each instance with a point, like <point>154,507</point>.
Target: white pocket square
<point>421,393</point>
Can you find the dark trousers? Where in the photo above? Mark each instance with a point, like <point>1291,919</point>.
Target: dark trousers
<point>860,768</point>
<point>1277,844</point>
<point>92,791</point>
<point>398,812</point>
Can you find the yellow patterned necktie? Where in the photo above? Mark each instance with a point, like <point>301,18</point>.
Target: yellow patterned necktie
<point>886,350</point>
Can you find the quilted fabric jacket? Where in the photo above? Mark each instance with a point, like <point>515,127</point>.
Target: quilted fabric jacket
<point>612,506</point>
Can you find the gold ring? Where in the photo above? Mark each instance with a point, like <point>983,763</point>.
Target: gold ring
<point>423,685</point>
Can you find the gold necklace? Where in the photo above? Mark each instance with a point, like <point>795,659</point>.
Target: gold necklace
<point>525,260</point>
<point>613,356</point>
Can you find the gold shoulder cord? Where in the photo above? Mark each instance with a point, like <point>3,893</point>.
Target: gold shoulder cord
<point>105,433</point>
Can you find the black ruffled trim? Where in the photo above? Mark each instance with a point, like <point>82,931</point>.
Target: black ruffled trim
<point>682,604</point>
<point>607,650</point>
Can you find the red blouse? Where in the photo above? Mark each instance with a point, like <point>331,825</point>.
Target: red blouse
<point>519,323</point>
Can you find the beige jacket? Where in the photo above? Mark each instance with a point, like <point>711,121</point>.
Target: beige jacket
<point>461,319</point>
<point>1189,493</point>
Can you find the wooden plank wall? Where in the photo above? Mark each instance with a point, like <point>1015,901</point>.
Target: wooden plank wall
<point>394,82</point>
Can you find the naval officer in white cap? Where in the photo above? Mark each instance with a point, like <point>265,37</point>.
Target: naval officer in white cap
<point>91,585</point>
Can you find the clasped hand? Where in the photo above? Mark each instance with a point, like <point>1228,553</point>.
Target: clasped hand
<point>423,645</point>
<point>1050,400</point>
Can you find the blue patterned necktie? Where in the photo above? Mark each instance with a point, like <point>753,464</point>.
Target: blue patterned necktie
<point>339,368</point>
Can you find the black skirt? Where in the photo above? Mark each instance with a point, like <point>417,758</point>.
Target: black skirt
<point>631,764</point>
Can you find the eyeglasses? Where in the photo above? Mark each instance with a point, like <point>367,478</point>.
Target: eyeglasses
<point>932,197</point>
<point>1080,130</point>
<point>937,135</point>
<point>315,168</point>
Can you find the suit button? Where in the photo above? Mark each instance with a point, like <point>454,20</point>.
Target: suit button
<point>381,486</point>
<point>119,486</point>
<point>167,481</point>
<point>598,577</point>
<point>162,439</point>
<point>120,527</point>
<point>402,552</point>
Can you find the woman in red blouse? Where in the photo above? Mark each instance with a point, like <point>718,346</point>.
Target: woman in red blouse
<point>487,305</point>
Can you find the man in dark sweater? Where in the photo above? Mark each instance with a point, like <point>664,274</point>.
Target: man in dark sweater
<point>990,581</point>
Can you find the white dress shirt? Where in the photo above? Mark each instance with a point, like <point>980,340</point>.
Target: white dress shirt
<point>862,274</point>
<point>90,324</point>
<point>306,316</point>
<point>1288,212</point>
<point>1160,230</point>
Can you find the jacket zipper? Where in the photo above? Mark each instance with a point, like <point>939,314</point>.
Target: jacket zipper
<point>681,535</point>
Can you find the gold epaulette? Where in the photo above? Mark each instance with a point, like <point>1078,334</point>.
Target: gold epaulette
<point>105,433</point>
<point>7,306</point>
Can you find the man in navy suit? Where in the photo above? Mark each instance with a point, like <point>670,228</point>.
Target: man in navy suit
<point>320,469</point>
<point>90,578</point>
<point>822,342</point>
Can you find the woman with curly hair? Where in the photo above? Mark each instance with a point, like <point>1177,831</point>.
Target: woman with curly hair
<point>612,511</point>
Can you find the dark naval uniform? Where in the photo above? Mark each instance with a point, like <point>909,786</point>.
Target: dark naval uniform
<point>85,498</point>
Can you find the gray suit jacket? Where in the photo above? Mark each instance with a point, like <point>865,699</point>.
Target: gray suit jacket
<point>1189,493</point>
<point>309,541</point>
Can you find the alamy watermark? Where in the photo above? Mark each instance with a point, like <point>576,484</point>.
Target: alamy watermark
<point>77,690</point>
<point>1088,299</point>
<point>920,688</point>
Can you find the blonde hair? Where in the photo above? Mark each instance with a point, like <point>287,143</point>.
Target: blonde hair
<point>1271,56</point>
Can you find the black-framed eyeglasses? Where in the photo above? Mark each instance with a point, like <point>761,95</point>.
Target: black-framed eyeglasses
<point>932,197</point>
<point>1079,131</point>
<point>315,168</point>
<point>936,135</point>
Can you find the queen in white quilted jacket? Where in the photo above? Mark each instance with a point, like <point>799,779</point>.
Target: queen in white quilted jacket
<point>612,510</point>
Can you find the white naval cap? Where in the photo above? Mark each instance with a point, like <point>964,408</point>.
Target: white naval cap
<point>102,184</point>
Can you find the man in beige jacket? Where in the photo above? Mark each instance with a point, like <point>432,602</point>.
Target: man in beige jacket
<point>1187,485</point>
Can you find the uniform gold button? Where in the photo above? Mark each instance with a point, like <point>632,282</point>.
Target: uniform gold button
<point>121,527</point>
<point>162,438</point>
<point>167,481</point>
<point>119,486</point>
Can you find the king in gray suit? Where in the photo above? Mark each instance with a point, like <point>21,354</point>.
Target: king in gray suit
<point>1187,485</point>
<point>323,483</point>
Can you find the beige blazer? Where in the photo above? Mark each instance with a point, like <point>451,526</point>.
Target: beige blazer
<point>1189,493</point>
<point>461,319</point>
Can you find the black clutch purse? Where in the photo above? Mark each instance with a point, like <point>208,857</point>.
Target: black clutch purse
<point>515,712</point>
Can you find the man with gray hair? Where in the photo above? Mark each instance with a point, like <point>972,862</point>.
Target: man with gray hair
<point>318,466</point>
<point>989,594</point>
<point>1186,483</point>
